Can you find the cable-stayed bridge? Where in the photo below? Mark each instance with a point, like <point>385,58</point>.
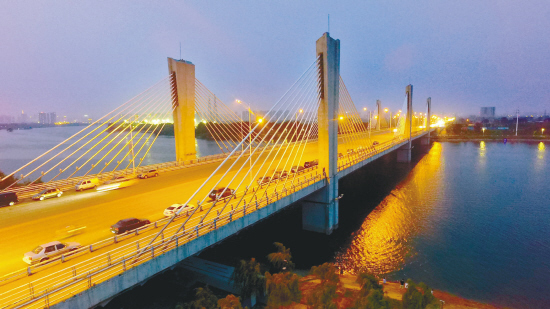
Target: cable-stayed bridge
<point>297,151</point>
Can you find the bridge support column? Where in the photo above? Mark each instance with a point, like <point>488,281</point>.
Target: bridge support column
<point>183,101</point>
<point>404,153</point>
<point>320,212</point>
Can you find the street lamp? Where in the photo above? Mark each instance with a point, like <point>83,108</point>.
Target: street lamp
<point>483,129</point>
<point>249,137</point>
<point>542,131</point>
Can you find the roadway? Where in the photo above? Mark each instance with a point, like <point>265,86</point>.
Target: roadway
<point>28,224</point>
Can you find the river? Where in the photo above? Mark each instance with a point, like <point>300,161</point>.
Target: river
<point>470,218</point>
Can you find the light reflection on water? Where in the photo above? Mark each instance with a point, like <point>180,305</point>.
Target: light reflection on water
<point>382,245</point>
<point>470,218</point>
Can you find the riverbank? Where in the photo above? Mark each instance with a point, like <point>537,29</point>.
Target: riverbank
<point>391,290</point>
<point>459,138</point>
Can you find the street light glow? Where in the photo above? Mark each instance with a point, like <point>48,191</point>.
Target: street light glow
<point>341,117</point>
<point>301,110</point>
<point>385,110</point>
<point>364,108</point>
<point>260,120</point>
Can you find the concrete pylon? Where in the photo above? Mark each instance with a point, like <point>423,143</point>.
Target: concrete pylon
<point>404,153</point>
<point>378,114</point>
<point>320,209</point>
<point>184,108</point>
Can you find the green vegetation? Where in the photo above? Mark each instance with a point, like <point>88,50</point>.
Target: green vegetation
<point>248,278</point>
<point>280,260</point>
<point>322,289</point>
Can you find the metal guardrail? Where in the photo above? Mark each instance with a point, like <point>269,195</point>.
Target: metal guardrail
<point>67,282</point>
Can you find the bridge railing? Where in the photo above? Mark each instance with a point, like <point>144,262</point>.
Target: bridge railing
<point>67,282</point>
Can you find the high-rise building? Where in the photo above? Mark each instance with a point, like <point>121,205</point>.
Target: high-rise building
<point>52,118</point>
<point>43,118</point>
<point>487,112</point>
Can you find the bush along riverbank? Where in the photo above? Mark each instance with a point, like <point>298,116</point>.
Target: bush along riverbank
<point>277,285</point>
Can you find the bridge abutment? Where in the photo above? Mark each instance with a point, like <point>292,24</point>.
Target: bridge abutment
<point>183,102</point>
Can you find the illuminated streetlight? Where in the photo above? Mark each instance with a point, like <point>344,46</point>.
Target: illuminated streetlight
<point>385,110</point>
<point>260,120</point>
<point>364,108</point>
<point>483,129</point>
<point>542,131</point>
<point>341,117</point>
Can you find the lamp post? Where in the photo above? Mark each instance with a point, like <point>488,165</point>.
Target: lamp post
<point>483,129</point>
<point>249,138</point>
<point>542,133</point>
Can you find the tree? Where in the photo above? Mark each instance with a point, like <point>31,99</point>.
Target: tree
<point>281,260</point>
<point>368,282</point>
<point>248,278</point>
<point>230,302</point>
<point>204,299</point>
<point>282,289</point>
<point>326,272</point>
<point>427,297</point>
<point>412,299</point>
<point>323,295</point>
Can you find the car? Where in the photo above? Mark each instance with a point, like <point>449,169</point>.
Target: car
<point>279,174</point>
<point>263,180</point>
<point>149,173</point>
<point>117,183</point>
<point>221,193</point>
<point>309,164</point>
<point>49,251</point>
<point>375,143</point>
<point>129,224</point>
<point>47,193</point>
<point>8,199</point>
<point>297,169</point>
<point>351,152</point>
<point>170,211</point>
<point>87,184</point>
<point>340,155</point>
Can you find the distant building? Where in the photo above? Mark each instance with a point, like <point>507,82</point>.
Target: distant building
<point>52,118</point>
<point>487,112</point>
<point>43,118</point>
<point>23,118</point>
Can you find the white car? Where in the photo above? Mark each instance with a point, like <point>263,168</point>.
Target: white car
<point>49,251</point>
<point>170,211</point>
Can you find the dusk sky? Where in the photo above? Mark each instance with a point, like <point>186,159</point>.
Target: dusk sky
<point>87,57</point>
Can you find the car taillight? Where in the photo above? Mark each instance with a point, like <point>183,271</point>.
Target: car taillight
<point>30,258</point>
<point>116,229</point>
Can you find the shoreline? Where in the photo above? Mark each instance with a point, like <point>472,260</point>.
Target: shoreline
<point>490,138</point>
<point>391,289</point>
